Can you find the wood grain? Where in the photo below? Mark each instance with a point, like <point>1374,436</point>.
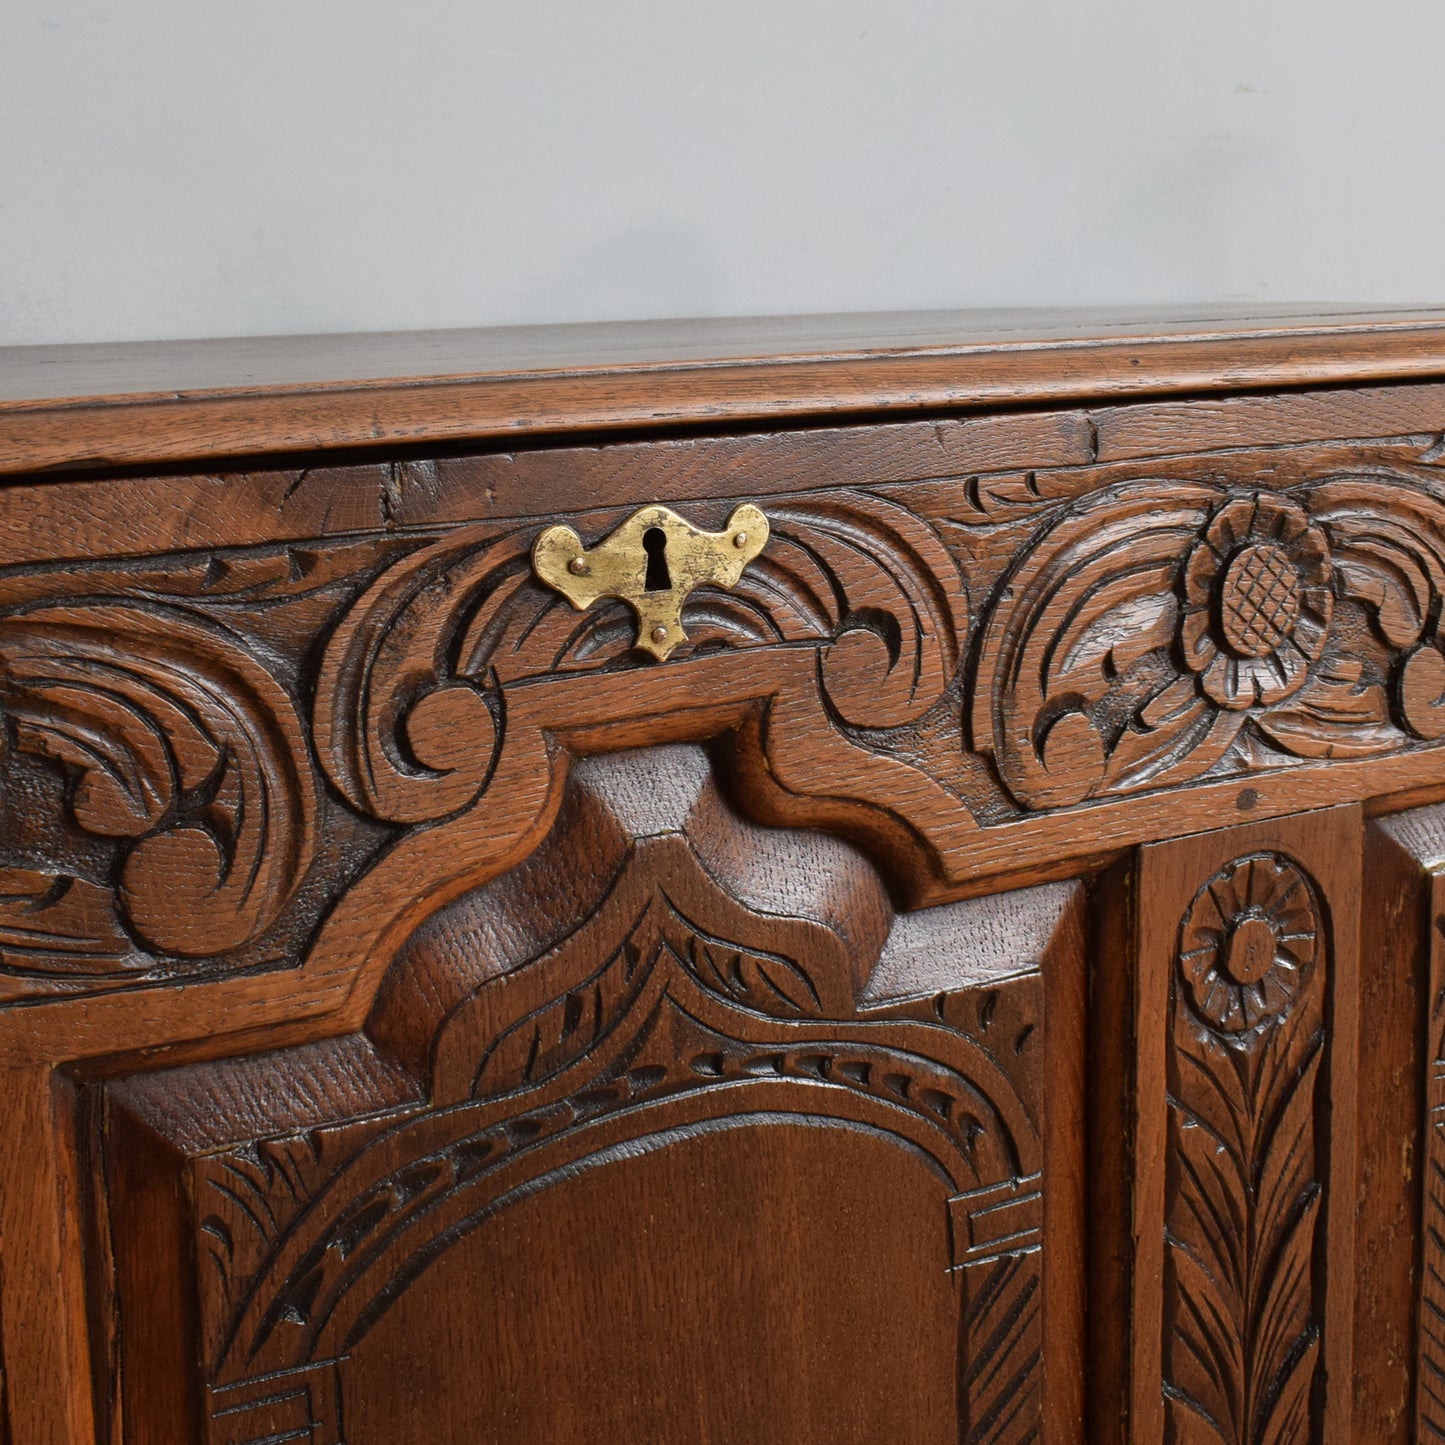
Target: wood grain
<point>1240,989</point>
<point>42,1290</point>
<point>988,458</point>
<point>1168,428</point>
<point>138,405</point>
<point>935,1003</point>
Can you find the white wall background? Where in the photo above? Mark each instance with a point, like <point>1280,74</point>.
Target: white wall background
<point>214,167</point>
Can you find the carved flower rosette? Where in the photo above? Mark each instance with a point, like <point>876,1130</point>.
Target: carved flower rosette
<point>1161,631</point>
<point>1257,602</point>
<point>1249,941</point>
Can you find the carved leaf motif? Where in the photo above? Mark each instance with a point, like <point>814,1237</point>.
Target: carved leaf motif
<point>565,1028</point>
<point>1243,1193</point>
<point>399,727</point>
<point>1338,713</point>
<point>1001,1376</point>
<point>548,1039</point>
<point>1159,631</point>
<point>899,607</point>
<point>56,926</point>
<point>178,746</point>
<point>768,982</point>
<point>1077,691</point>
<point>250,1196</point>
<point>1390,544</point>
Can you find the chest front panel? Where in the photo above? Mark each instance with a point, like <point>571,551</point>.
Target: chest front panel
<point>961,969</point>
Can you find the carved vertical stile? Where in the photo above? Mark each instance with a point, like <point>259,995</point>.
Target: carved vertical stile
<point>47,1353</point>
<point>1240,996</point>
<point>1244,1183</point>
<point>4,1398</point>
<point>1430,1346</point>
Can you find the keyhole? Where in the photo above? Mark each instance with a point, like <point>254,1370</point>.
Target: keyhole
<point>654,543</point>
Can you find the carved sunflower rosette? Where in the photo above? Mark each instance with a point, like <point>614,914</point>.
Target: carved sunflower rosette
<point>1249,942</point>
<point>1257,602</point>
<point>1159,632</point>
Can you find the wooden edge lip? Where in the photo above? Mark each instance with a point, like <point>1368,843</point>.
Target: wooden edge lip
<point>1379,329</point>
<point>140,428</point>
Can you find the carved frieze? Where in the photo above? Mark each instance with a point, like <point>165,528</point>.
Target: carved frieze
<point>1161,632</point>
<point>203,753</point>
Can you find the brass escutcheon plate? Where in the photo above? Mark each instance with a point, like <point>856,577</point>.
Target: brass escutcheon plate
<point>652,562</point>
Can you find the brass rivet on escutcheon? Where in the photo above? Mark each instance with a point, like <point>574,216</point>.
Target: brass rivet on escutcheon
<point>653,562</point>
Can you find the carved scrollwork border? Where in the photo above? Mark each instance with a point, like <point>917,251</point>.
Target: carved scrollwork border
<point>942,681</point>
<point>185,799</point>
<point>410,710</point>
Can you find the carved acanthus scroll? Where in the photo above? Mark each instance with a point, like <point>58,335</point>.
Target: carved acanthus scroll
<point>184,801</point>
<point>1160,632</point>
<point>409,707</point>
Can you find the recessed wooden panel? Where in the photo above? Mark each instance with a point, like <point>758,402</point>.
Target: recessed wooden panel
<point>766,1279</point>
<point>677,1122</point>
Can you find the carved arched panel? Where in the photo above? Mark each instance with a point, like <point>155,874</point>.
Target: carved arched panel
<point>662,1002</point>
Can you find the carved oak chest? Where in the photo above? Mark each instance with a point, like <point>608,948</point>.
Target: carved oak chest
<point>866,879</point>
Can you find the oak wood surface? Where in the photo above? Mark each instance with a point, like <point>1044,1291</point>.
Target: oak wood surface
<point>143,403</point>
<point>984,985</point>
<point>1397,1004</point>
<point>42,1286</point>
<point>1233,1314</point>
